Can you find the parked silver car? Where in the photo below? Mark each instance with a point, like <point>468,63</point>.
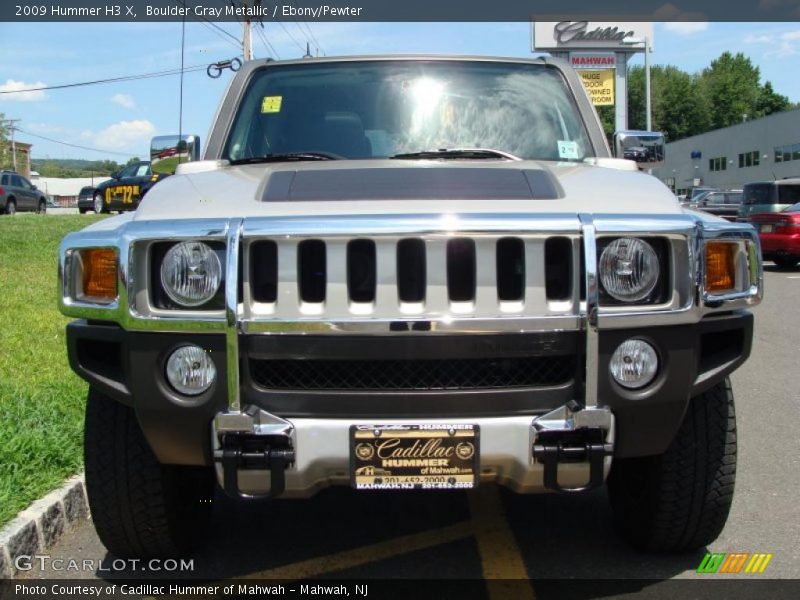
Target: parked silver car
<point>19,194</point>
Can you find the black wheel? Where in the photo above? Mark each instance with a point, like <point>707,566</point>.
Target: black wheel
<point>680,500</point>
<point>41,208</point>
<point>140,508</point>
<point>82,211</point>
<point>11,207</point>
<point>785,263</point>
<point>98,203</point>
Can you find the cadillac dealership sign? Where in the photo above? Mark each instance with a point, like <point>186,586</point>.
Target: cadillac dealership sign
<point>571,35</point>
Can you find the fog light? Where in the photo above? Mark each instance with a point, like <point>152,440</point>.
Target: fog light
<point>190,370</point>
<point>634,364</point>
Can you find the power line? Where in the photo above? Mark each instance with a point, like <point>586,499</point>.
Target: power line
<point>74,145</point>
<point>299,45</point>
<point>265,41</point>
<point>109,80</point>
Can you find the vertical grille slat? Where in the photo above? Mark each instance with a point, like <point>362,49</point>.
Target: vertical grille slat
<point>436,298</point>
<point>558,259</point>
<point>336,289</point>
<point>510,261</point>
<point>264,271</point>
<point>486,291</point>
<point>461,275</point>
<point>312,273</point>
<point>288,300</point>
<point>361,270</point>
<point>411,271</point>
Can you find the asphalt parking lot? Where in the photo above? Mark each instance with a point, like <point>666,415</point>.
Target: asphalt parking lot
<point>492,533</point>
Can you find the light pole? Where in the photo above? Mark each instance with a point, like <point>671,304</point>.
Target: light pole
<point>648,109</point>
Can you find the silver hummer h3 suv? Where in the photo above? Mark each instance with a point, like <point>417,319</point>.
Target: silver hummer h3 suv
<point>408,272</point>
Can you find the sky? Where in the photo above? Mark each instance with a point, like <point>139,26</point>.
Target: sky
<point>120,118</point>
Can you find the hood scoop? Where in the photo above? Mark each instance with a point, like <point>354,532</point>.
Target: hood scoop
<point>412,183</point>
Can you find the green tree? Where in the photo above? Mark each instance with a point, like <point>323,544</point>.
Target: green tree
<point>679,108</point>
<point>132,161</point>
<point>731,85</point>
<point>6,161</point>
<point>770,101</point>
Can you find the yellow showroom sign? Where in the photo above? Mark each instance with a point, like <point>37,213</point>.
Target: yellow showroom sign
<point>600,85</point>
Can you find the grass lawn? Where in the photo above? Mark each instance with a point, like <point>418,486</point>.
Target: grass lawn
<point>41,400</point>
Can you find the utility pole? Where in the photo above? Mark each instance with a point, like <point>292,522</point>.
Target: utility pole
<point>247,39</point>
<point>13,144</point>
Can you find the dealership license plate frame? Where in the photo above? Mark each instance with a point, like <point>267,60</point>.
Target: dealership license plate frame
<point>459,437</point>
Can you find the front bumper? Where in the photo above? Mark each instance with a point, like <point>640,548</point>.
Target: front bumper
<point>122,365</point>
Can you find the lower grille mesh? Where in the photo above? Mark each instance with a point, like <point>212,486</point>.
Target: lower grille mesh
<point>419,375</point>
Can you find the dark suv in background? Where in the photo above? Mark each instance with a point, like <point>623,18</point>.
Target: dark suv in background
<point>86,199</point>
<point>19,194</point>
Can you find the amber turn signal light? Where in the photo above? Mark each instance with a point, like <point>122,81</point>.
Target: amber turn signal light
<point>99,281</point>
<point>721,266</point>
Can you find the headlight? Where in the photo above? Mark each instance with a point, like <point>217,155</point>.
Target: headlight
<point>191,273</point>
<point>629,269</point>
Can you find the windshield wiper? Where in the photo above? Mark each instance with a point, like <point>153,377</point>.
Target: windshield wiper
<point>472,153</point>
<point>285,157</point>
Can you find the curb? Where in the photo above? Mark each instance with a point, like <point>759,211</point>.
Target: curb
<point>39,526</point>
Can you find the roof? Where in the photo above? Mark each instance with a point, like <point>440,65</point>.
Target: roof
<point>57,186</point>
<point>786,181</point>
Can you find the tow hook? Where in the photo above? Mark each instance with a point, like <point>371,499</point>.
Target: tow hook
<point>567,435</point>
<point>243,452</point>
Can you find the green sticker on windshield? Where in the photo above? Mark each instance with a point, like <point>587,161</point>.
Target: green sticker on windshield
<point>271,104</point>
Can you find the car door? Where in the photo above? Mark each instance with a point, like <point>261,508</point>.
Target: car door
<point>119,195</point>
<point>712,203</point>
<point>141,181</point>
<point>24,193</point>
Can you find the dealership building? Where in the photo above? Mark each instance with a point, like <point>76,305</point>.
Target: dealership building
<point>759,150</point>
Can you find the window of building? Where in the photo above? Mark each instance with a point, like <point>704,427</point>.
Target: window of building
<point>787,153</point>
<point>718,164</point>
<point>750,159</point>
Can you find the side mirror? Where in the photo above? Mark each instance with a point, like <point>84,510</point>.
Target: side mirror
<point>33,187</point>
<point>115,175</point>
<point>646,148</point>
<point>168,151</point>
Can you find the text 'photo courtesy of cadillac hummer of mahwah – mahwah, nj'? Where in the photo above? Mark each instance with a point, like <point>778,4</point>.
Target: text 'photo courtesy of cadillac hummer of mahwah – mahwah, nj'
<point>409,272</point>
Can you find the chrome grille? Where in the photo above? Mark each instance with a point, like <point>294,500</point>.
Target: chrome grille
<point>428,276</point>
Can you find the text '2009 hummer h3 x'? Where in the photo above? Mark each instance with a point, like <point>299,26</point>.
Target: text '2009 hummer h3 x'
<point>409,272</point>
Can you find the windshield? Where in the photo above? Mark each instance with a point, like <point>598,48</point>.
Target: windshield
<point>378,109</point>
<point>788,194</point>
<point>758,193</point>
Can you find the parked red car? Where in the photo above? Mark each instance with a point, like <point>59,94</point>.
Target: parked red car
<point>780,235</point>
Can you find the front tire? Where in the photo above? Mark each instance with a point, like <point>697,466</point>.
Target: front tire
<point>680,500</point>
<point>98,204</point>
<point>41,208</point>
<point>140,508</point>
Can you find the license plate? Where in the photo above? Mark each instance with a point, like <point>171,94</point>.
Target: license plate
<point>767,228</point>
<point>408,457</point>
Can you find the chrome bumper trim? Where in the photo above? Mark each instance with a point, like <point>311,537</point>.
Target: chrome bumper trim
<point>232,313</point>
<point>590,314</point>
<point>322,454</point>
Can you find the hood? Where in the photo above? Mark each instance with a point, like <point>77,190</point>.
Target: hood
<point>369,187</point>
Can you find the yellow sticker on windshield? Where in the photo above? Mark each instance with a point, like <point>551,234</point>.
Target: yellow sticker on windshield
<point>271,104</point>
